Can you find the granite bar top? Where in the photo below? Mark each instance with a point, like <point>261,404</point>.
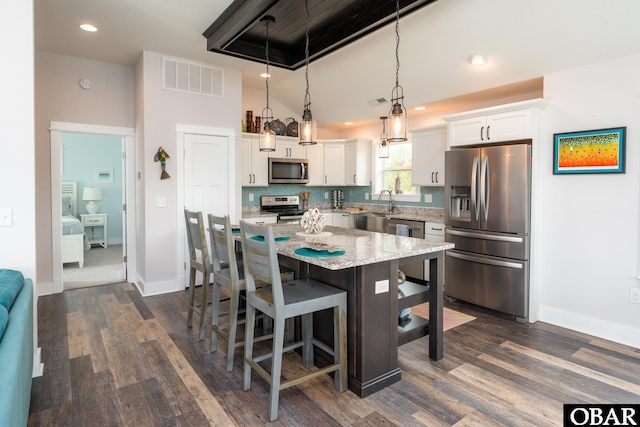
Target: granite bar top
<point>361,247</point>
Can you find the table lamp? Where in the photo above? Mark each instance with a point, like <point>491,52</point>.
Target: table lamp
<point>92,194</point>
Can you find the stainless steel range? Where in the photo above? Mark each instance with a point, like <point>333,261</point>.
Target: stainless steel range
<point>287,207</point>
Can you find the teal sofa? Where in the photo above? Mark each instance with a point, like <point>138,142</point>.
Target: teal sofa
<point>16,347</point>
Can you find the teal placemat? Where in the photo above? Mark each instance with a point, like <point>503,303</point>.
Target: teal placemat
<point>277,239</point>
<point>318,253</point>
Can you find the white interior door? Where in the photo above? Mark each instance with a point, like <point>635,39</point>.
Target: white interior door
<point>206,177</point>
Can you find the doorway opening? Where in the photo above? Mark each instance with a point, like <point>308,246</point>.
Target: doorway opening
<point>93,167</point>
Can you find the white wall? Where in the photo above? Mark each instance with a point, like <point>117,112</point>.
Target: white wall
<point>60,98</point>
<point>158,113</point>
<point>590,222</point>
<point>17,188</point>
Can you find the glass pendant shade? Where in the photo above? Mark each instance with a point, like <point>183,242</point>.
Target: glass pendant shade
<point>398,122</point>
<point>267,136</point>
<point>383,151</point>
<point>307,129</point>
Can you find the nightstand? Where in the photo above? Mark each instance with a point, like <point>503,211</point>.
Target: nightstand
<point>96,220</point>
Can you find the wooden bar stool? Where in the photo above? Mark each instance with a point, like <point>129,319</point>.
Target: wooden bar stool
<point>300,297</point>
<point>228,273</point>
<point>199,261</point>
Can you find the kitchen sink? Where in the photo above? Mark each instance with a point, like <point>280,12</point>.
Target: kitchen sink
<point>370,221</point>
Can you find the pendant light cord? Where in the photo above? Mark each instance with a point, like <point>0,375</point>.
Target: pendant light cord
<point>307,97</point>
<point>397,43</point>
<point>266,54</point>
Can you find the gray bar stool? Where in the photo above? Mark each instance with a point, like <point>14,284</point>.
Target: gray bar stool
<point>300,297</point>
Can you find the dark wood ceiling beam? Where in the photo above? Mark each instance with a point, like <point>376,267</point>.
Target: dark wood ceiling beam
<point>332,24</point>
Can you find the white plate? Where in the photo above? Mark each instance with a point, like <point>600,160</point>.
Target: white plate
<point>320,234</point>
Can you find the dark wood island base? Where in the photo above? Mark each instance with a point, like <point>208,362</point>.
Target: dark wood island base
<point>372,318</point>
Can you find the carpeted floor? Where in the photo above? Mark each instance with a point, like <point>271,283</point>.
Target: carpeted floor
<point>101,266</point>
<point>452,318</point>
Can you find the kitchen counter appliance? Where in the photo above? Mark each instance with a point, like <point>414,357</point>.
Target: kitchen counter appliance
<point>286,207</point>
<point>487,217</point>
<point>288,171</point>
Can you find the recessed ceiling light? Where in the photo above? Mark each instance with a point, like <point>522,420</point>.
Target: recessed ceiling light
<point>88,27</point>
<point>348,123</point>
<point>265,75</point>
<point>478,59</point>
<point>420,108</point>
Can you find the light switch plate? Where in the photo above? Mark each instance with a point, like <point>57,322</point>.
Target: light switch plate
<point>382,286</point>
<point>428,198</point>
<point>161,202</point>
<point>6,217</point>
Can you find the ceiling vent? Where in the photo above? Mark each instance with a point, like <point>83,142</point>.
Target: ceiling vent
<point>193,78</point>
<point>377,101</point>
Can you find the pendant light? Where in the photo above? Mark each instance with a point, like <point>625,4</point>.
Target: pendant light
<point>398,113</point>
<point>384,140</point>
<point>267,135</point>
<point>307,128</point>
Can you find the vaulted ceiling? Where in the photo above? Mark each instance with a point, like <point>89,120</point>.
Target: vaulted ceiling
<point>523,39</point>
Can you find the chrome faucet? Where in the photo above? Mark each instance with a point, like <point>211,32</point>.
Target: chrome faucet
<point>391,204</point>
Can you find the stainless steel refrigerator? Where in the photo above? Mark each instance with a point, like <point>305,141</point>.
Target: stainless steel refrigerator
<point>487,217</point>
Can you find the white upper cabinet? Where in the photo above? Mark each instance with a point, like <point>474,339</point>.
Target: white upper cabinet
<point>255,164</point>
<point>357,161</point>
<point>334,163</point>
<point>510,122</point>
<point>315,154</point>
<point>287,147</point>
<point>428,147</point>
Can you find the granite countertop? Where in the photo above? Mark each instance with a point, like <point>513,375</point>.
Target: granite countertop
<point>361,247</point>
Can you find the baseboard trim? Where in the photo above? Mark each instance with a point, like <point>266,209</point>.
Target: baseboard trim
<point>615,332</point>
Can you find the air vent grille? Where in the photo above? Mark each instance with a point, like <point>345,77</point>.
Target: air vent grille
<point>377,101</point>
<point>193,78</point>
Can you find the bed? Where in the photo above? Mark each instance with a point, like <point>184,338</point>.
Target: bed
<point>74,239</point>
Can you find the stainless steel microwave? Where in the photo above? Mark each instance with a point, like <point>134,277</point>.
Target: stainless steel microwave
<point>288,171</point>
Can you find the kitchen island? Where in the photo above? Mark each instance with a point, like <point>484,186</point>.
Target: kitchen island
<point>368,272</point>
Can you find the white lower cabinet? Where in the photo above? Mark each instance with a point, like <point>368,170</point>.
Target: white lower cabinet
<point>263,219</point>
<point>341,220</point>
<point>434,232</point>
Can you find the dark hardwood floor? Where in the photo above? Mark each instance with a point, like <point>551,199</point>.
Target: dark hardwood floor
<point>114,358</point>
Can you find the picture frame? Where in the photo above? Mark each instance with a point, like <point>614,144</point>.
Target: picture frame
<point>104,175</point>
<point>591,151</point>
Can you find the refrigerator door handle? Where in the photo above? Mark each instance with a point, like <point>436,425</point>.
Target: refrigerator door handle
<point>485,236</point>
<point>474,182</point>
<point>484,260</point>
<point>485,187</point>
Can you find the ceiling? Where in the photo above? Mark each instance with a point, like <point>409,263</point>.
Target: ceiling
<point>524,40</point>
<point>241,30</point>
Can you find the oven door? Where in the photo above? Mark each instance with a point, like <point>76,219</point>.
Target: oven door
<point>282,218</point>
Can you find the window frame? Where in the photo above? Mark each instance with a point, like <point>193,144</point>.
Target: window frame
<point>376,179</point>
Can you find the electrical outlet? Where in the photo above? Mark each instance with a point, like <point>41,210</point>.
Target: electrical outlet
<point>428,198</point>
<point>382,286</point>
<point>326,194</point>
<point>366,196</point>
<point>251,197</point>
<point>634,295</point>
